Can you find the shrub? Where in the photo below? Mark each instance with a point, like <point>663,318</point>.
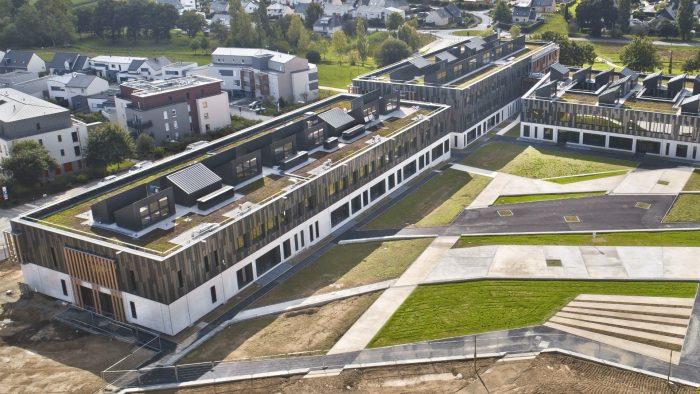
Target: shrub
<point>313,56</point>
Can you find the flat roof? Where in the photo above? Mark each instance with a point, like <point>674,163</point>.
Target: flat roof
<point>15,105</point>
<point>144,88</point>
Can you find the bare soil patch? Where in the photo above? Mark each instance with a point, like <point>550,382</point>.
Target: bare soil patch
<point>41,355</point>
<point>306,330</point>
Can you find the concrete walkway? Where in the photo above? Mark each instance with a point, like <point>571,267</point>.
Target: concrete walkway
<point>367,326</point>
<point>663,181</point>
<point>310,301</point>
<point>507,185</point>
<point>577,262</point>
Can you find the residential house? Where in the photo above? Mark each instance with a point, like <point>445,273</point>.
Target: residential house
<point>67,62</point>
<point>218,7</point>
<point>150,69</point>
<point>337,8</point>
<point>300,9</point>
<point>175,3</point>
<point>72,90</point>
<point>278,10</point>
<point>224,19</point>
<point>250,6</point>
<point>171,109</point>
<point>109,67</point>
<point>328,25</point>
<point>264,74</point>
<point>544,6</point>
<point>524,14</point>
<point>178,69</point>
<point>26,82</point>
<point>22,61</point>
<point>25,117</point>
<point>104,102</point>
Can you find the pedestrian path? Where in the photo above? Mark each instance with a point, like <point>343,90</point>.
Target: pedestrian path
<point>367,326</point>
<point>306,302</point>
<point>663,181</point>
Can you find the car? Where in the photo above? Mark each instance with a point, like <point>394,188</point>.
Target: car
<point>107,179</point>
<point>254,104</point>
<point>260,110</point>
<point>140,165</point>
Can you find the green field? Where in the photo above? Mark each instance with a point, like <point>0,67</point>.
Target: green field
<point>553,22</point>
<point>693,184</point>
<point>686,209</point>
<point>447,310</point>
<point>612,52</point>
<point>543,197</point>
<point>631,238</point>
<point>581,178</point>
<point>538,163</point>
<point>346,266</point>
<point>435,203</point>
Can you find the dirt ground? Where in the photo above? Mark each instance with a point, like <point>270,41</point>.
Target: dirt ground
<point>546,374</point>
<point>316,328</point>
<point>41,355</point>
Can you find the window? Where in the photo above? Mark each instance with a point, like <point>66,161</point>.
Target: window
<point>316,226</point>
<point>167,126</point>
<point>41,142</point>
<point>180,282</point>
<point>133,309</point>
<point>340,214</point>
<point>206,115</point>
<point>63,152</point>
<point>212,290</point>
<point>63,287</point>
<point>76,150</point>
<point>682,150</point>
<point>165,115</point>
<point>74,136</point>
<point>206,263</point>
<point>132,279</point>
<point>247,168</point>
<point>216,258</point>
<point>38,126</point>
<point>173,112</point>
<point>311,232</point>
<point>244,276</point>
<point>287,249</point>
<point>175,124</point>
<point>60,139</point>
<point>205,104</point>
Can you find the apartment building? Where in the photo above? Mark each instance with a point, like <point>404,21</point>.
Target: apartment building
<point>622,111</point>
<point>25,117</point>
<point>170,109</point>
<point>263,74</point>
<point>481,79</point>
<point>163,247</point>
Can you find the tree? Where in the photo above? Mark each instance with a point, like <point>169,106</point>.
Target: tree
<point>191,22</point>
<point>640,54</point>
<point>194,45</point>
<point>566,12</point>
<point>28,162</point>
<point>108,144</point>
<point>409,35</point>
<point>145,146</point>
<point>623,15</point>
<point>391,51</point>
<point>692,64</point>
<point>340,44</point>
<point>313,13</point>
<point>243,34</point>
<point>514,31</point>
<point>394,21</point>
<point>501,13</point>
<point>667,29</point>
<point>488,32</point>
<point>362,44</point>
<point>685,18</point>
<point>313,56</point>
<point>596,15</point>
<point>571,53</point>
<point>294,32</point>
<point>204,43</point>
<point>58,23</point>
<point>219,30</point>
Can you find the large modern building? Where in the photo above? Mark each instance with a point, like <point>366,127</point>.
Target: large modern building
<point>263,74</point>
<point>482,79</point>
<point>25,117</point>
<point>163,247</point>
<point>624,111</point>
<point>173,108</point>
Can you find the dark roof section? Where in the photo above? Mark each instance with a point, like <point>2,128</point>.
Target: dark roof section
<point>135,65</point>
<point>336,118</point>
<point>193,178</point>
<point>17,59</point>
<point>521,11</point>
<point>558,71</point>
<point>420,62</point>
<point>65,61</point>
<point>81,81</point>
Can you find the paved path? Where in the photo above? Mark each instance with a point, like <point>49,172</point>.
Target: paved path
<point>367,326</point>
<point>626,41</point>
<point>658,181</point>
<point>306,302</point>
<point>577,262</point>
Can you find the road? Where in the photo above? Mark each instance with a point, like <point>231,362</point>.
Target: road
<point>625,41</point>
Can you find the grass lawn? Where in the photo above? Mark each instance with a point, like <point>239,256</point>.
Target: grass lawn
<point>612,52</point>
<point>346,266</point>
<point>693,184</point>
<point>640,238</point>
<point>553,22</point>
<point>309,330</point>
<point>514,131</point>
<point>581,178</point>
<point>440,311</point>
<point>685,209</point>
<point>470,32</point>
<point>437,202</point>
<point>335,75</point>
<point>543,197</point>
<point>538,163</point>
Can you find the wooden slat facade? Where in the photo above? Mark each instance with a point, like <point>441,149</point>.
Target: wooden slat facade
<point>100,272</point>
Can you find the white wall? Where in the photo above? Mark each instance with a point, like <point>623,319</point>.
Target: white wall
<point>50,141</point>
<point>217,107</point>
<point>47,281</point>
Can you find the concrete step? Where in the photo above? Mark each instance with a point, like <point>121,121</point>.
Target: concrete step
<point>626,315</point>
<point>636,347</point>
<point>664,310</point>
<point>617,330</point>
<point>661,328</point>
<point>662,301</point>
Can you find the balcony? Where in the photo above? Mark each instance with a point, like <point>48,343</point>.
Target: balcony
<point>138,124</point>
